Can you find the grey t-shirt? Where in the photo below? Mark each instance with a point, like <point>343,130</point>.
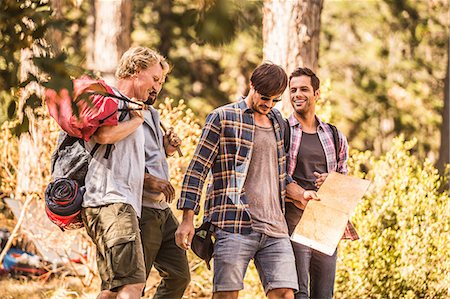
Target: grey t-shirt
<point>155,159</point>
<point>262,186</point>
<point>120,177</point>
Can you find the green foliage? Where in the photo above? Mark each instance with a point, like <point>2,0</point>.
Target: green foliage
<point>403,221</point>
<point>23,25</point>
<point>20,26</point>
<point>212,45</point>
<point>387,70</point>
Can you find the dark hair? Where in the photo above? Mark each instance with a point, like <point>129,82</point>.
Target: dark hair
<point>315,82</point>
<point>269,79</point>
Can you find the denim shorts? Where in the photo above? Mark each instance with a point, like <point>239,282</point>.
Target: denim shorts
<point>274,259</point>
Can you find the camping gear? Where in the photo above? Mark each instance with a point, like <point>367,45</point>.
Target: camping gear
<point>17,261</point>
<point>63,199</point>
<point>92,104</point>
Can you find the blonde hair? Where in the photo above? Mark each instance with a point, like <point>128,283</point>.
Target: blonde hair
<point>137,59</point>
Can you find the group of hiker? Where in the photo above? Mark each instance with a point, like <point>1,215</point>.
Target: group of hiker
<point>255,198</point>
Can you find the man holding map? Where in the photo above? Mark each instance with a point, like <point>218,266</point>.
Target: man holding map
<point>312,156</point>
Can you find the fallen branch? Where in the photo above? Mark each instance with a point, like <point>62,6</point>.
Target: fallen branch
<point>15,230</point>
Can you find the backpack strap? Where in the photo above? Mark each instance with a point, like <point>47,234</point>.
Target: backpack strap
<point>122,116</point>
<point>336,141</point>
<point>285,129</point>
<point>287,135</point>
<point>94,149</point>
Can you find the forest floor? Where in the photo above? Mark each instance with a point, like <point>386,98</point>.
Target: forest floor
<point>22,287</point>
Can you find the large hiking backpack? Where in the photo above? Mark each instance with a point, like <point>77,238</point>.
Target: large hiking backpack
<point>64,195</point>
<point>69,165</point>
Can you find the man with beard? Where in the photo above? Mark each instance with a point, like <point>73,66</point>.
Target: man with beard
<point>112,202</point>
<point>311,157</point>
<point>158,224</point>
<point>241,144</point>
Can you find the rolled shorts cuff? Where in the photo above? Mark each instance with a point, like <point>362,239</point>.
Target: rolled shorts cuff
<point>228,287</point>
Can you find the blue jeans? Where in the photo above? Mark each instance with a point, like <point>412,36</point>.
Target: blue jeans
<point>274,260</point>
<point>316,271</point>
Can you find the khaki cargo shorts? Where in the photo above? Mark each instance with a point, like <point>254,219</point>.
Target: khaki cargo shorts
<point>114,229</point>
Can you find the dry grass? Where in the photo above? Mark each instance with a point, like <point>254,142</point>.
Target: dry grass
<point>71,287</point>
<point>25,288</point>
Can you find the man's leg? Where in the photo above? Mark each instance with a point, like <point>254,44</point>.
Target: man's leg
<point>171,262</point>
<point>150,225</point>
<point>280,294</point>
<point>107,294</point>
<point>131,291</point>
<point>275,263</point>
<point>302,253</point>
<point>114,230</point>
<point>322,273</point>
<point>232,254</point>
<point>302,262</point>
<point>226,295</point>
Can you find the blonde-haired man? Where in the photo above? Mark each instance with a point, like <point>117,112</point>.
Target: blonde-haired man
<point>158,223</point>
<point>113,199</point>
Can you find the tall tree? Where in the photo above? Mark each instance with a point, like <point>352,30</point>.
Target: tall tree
<point>112,35</point>
<point>444,149</point>
<point>291,32</point>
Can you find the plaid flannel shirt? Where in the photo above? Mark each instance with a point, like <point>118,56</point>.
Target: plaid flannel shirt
<point>326,138</point>
<point>225,149</point>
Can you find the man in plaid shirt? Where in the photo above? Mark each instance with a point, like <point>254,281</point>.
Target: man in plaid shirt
<point>242,145</point>
<point>311,157</point>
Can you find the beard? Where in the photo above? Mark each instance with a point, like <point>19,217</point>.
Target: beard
<point>151,99</point>
<point>261,109</point>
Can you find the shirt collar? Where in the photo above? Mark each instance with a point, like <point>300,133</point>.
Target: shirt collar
<point>293,121</point>
<point>243,105</point>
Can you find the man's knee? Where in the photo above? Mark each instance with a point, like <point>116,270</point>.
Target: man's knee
<point>226,295</point>
<point>180,277</point>
<point>184,280</point>
<point>107,294</point>
<point>131,291</point>
<point>280,294</point>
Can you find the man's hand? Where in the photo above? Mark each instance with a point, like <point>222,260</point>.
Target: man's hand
<point>136,113</point>
<point>185,231</point>
<point>300,196</point>
<point>320,178</point>
<point>155,184</point>
<point>171,142</point>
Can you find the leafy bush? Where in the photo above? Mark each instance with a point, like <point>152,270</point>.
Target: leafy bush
<point>403,221</point>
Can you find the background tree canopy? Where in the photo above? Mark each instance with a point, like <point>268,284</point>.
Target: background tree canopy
<point>386,72</point>
<point>383,65</point>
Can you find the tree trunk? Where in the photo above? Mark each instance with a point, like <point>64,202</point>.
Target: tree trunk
<point>164,26</point>
<point>112,35</point>
<point>291,30</point>
<point>31,166</point>
<point>444,150</point>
